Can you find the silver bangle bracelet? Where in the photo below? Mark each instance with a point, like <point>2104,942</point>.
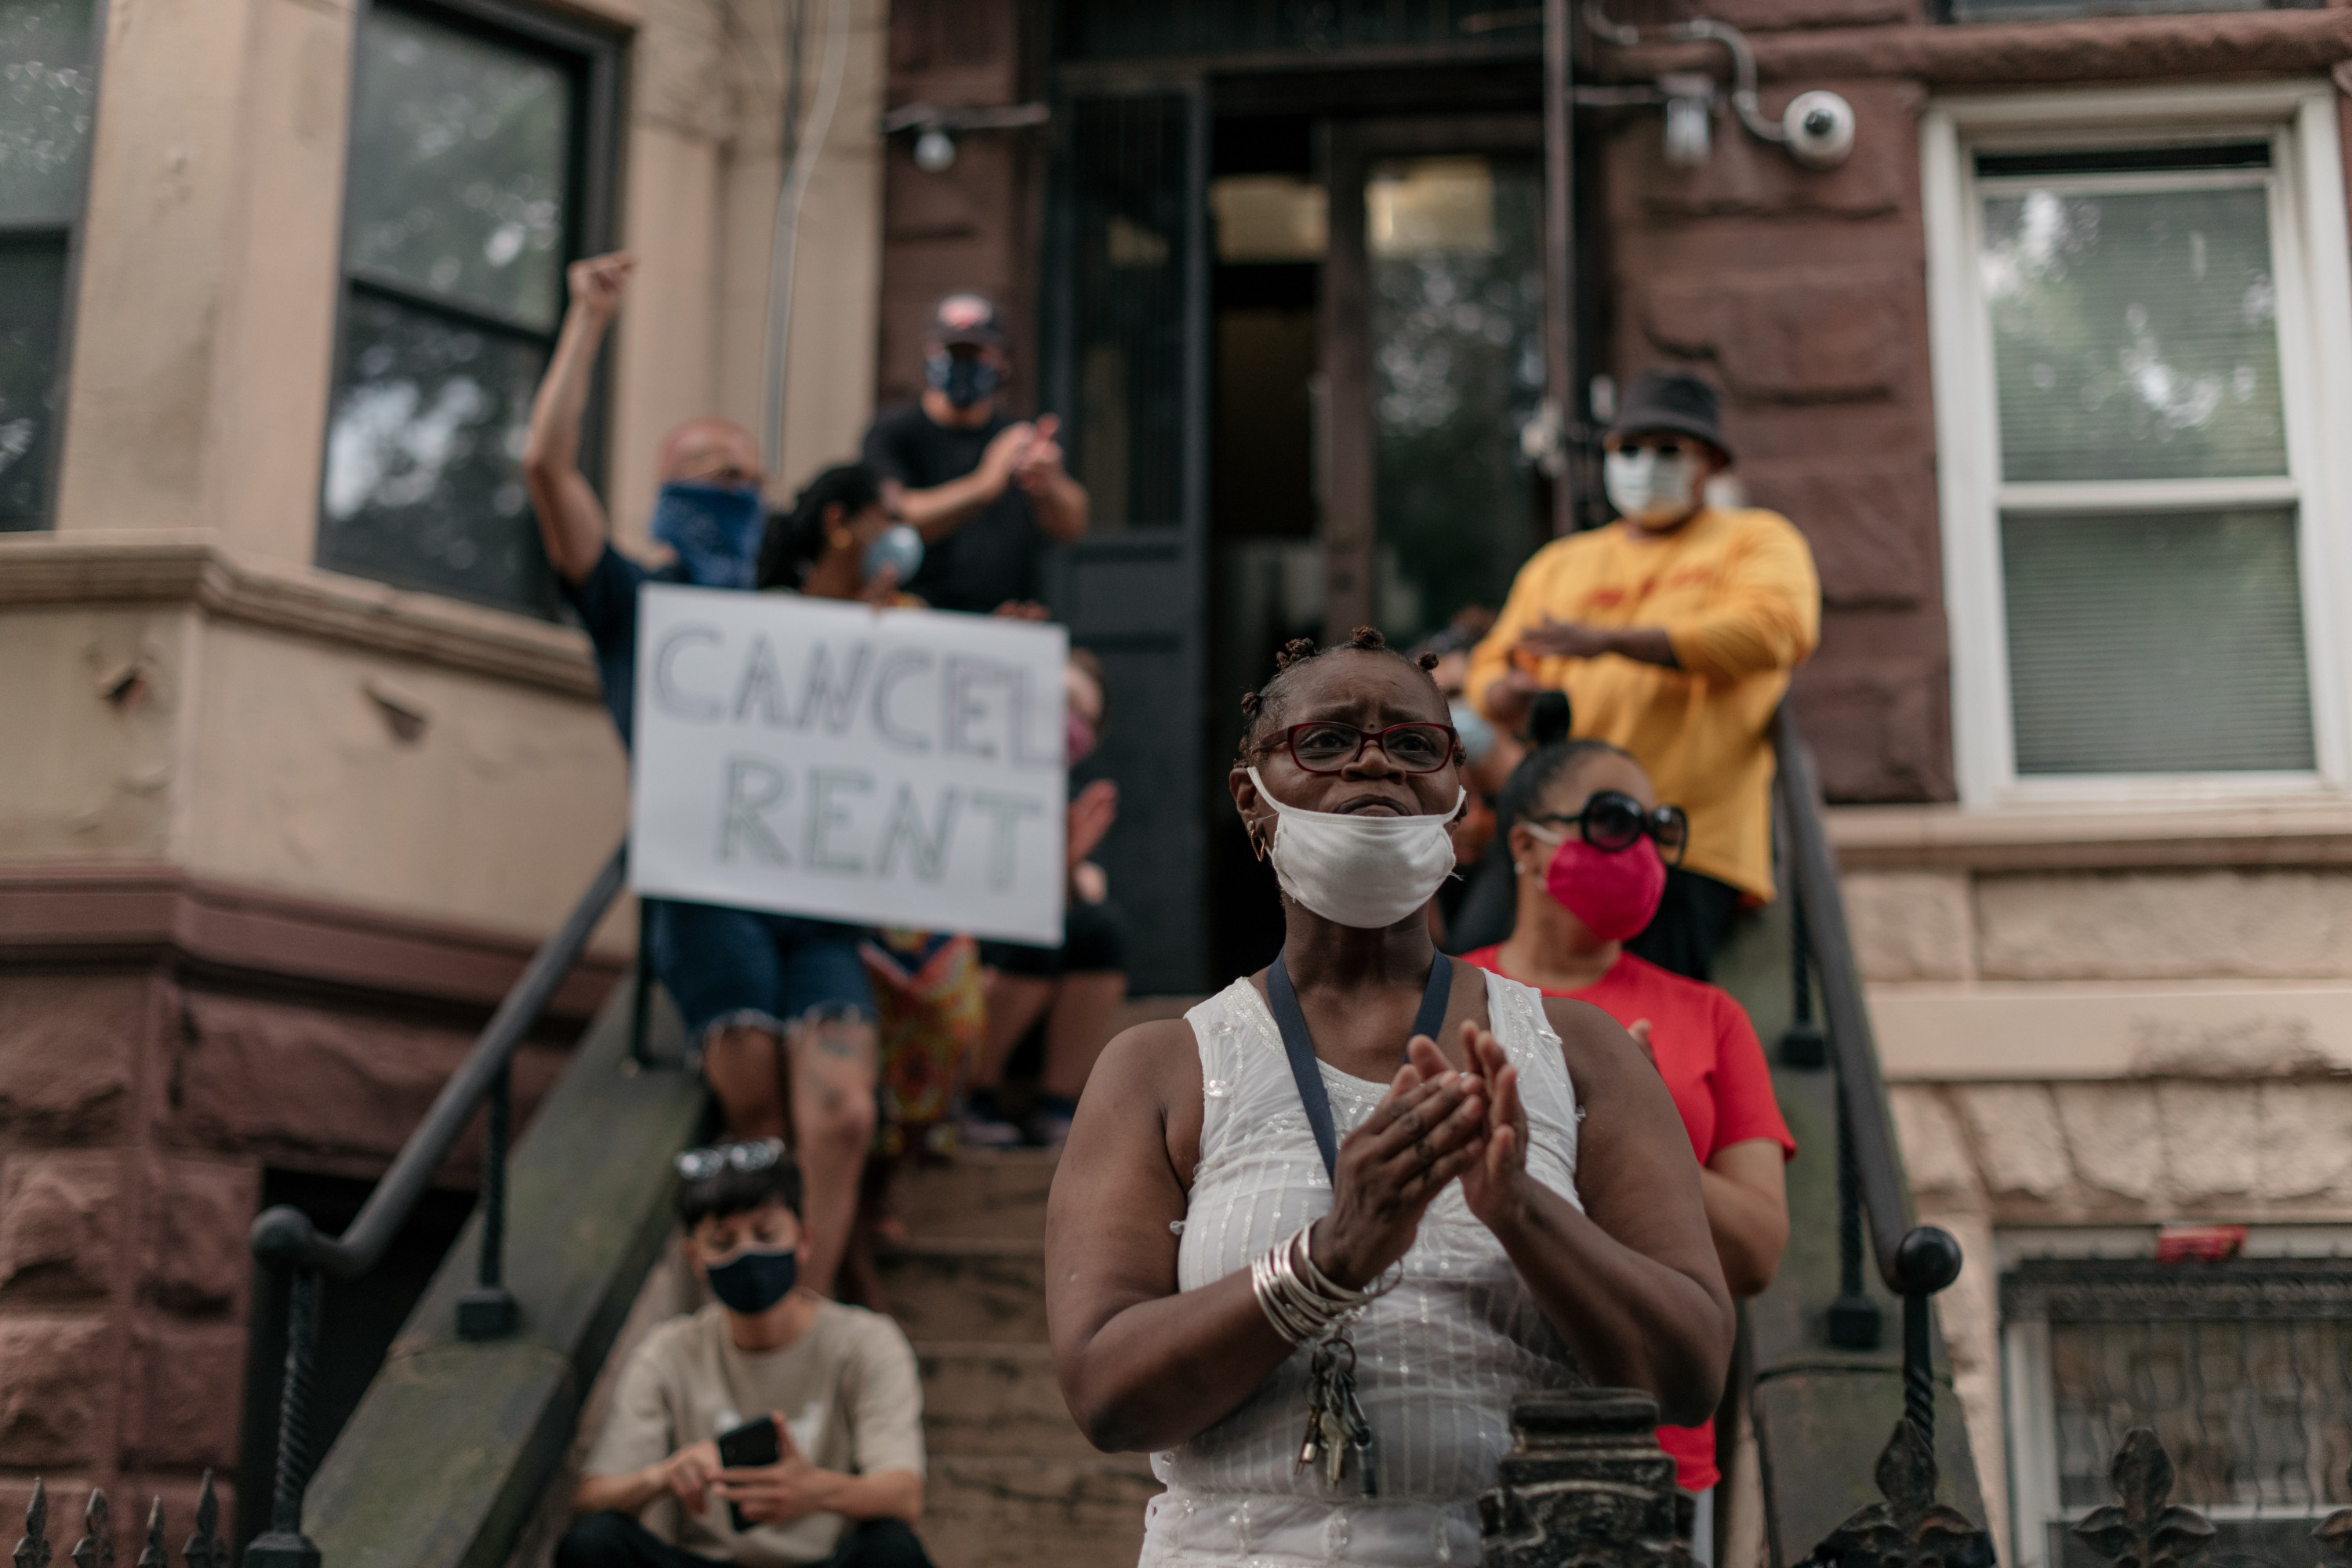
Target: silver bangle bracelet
<point>1300,1300</point>
<point>1294,1312</point>
<point>1324,1286</point>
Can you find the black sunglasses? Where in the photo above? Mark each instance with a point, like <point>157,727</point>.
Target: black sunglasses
<point>1612,821</point>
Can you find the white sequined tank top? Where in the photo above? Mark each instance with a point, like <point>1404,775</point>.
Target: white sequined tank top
<point>1439,1358</point>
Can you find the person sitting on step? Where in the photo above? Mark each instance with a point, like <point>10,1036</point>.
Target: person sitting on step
<point>838,1383</point>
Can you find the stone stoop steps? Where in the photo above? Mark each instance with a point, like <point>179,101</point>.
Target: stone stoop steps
<point>1013,1483</point>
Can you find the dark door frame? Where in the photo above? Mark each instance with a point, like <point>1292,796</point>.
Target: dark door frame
<point>1344,449</point>
<point>1137,596</point>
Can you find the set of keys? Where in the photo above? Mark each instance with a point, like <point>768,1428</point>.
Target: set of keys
<point>1336,1427</point>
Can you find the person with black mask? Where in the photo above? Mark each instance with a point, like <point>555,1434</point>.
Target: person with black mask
<point>986,492</point>
<point>839,1384</point>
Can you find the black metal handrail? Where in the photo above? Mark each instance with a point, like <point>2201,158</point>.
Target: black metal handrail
<point>1916,1261</point>
<point>284,1240</point>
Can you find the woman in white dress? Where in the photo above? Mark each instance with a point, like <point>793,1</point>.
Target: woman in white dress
<point>1278,1191</point>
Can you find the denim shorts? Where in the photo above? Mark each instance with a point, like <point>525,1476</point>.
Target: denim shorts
<point>727,967</point>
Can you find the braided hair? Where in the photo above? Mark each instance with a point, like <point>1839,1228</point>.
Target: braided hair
<point>1258,705</point>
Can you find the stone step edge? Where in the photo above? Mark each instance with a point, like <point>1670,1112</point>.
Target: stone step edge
<point>978,1466</point>
<point>959,1247</point>
<point>936,1166</point>
<point>985,1350</point>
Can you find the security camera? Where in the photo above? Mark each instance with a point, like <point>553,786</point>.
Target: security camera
<point>1819,126</point>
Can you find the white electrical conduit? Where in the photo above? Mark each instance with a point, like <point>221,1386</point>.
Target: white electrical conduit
<point>805,149</point>
<point>1702,30</point>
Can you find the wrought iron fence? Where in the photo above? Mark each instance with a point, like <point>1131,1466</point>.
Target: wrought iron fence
<point>2242,1368</point>
<point>95,1548</point>
<point>1586,1484</point>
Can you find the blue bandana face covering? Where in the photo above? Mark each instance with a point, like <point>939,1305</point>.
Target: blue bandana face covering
<point>714,529</point>
<point>754,1279</point>
<point>964,378</point>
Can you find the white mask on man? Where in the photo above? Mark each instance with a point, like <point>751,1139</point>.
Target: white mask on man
<point>1359,870</point>
<point>1648,486</point>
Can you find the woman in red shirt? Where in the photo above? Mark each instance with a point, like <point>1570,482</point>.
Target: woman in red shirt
<point>1586,839</point>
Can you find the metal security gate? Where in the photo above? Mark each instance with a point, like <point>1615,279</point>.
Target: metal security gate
<point>1126,359</point>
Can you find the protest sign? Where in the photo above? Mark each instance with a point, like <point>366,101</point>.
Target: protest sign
<point>892,767</point>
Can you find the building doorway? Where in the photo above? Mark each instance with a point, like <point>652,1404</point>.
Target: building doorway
<point>1293,301</point>
<point>1375,350</point>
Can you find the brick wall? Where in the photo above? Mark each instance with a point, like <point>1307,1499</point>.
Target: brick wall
<point>1803,295</point>
<point>975,225</point>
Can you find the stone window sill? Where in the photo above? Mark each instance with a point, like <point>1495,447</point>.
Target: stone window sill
<point>2299,830</point>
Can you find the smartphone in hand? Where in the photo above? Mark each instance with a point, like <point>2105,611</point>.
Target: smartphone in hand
<point>752,1445</point>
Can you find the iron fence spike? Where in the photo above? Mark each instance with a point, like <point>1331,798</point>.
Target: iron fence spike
<point>33,1549</point>
<point>2140,1529</point>
<point>205,1548</point>
<point>1909,1528</point>
<point>95,1547</point>
<point>155,1554</point>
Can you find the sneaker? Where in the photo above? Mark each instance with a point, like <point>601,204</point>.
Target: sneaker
<point>980,1125</point>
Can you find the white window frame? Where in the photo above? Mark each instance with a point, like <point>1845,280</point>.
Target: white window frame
<point>2026,1405</point>
<point>2313,274</point>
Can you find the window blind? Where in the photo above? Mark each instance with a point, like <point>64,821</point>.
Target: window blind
<point>2165,643</point>
<point>2134,333</point>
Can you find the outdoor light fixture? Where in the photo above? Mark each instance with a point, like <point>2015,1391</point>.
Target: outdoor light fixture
<point>1690,117</point>
<point>934,150</point>
<point>1816,129</point>
<point>935,129</point>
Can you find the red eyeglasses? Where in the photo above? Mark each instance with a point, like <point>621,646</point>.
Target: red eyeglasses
<point>1327,746</point>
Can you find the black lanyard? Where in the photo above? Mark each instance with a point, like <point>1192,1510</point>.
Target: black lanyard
<point>1282,1000</point>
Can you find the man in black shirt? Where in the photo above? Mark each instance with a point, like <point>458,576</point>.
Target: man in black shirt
<point>987,494</point>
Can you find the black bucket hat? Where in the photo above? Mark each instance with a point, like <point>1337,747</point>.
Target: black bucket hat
<point>1672,400</point>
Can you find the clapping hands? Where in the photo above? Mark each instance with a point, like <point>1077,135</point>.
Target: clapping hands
<point>1492,1182</point>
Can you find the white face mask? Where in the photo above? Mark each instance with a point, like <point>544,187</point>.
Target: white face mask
<point>1369,872</point>
<point>1648,486</point>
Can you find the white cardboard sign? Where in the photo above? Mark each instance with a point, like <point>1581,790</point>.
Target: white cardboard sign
<point>892,767</point>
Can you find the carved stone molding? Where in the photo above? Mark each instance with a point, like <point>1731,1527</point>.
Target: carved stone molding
<point>192,569</point>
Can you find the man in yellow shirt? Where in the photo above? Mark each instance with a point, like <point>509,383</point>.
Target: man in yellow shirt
<point>1672,631</point>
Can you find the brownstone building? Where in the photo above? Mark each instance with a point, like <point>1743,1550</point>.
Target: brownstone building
<point>2052,370</point>
<point>2050,367</point>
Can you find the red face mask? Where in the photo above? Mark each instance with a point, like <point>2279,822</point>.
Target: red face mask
<point>1615,895</point>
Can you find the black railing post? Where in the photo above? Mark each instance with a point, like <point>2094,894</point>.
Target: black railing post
<point>1854,1321</point>
<point>1918,1367</point>
<point>1803,1045</point>
<point>489,1312</point>
<point>285,1545</point>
